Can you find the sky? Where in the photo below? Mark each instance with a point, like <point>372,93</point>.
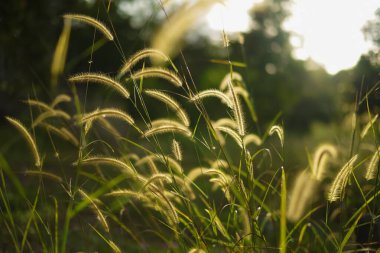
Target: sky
<point>327,31</point>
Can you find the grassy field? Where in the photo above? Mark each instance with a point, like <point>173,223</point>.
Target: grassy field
<point>134,171</point>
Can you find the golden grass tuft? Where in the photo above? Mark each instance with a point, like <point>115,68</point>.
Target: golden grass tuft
<point>157,177</point>
<point>62,132</point>
<point>301,195</point>
<point>166,160</point>
<point>373,165</point>
<point>226,122</point>
<point>90,21</point>
<point>252,138</point>
<point>171,103</point>
<point>321,159</point>
<point>25,133</point>
<point>97,160</point>
<point>237,138</point>
<point>169,36</point>
<point>50,114</point>
<point>337,188</point>
<point>368,126</point>
<point>176,150</point>
<point>95,207</point>
<point>108,112</point>
<point>237,110</point>
<point>101,79</point>
<point>43,174</point>
<point>167,129</point>
<point>134,59</point>
<point>38,104</point>
<point>280,133</point>
<point>213,93</point>
<point>60,99</point>
<point>158,72</point>
<point>60,53</point>
<point>230,78</point>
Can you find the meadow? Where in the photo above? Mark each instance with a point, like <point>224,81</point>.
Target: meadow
<point>143,159</point>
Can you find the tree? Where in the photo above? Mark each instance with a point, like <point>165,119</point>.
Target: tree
<point>278,82</point>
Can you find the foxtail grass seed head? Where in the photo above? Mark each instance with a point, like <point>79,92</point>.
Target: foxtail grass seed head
<point>213,93</point>
<point>169,36</point>
<point>50,114</point>
<point>279,131</point>
<point>60,53</point>
<point>252,138</point>
<point>97,160</point>
<point>226,179</point>
<point>167,129</point>
<point>195,173</point>
<point>163,122</point>
<point>95,207</point>
<point>241,91</point>
<point>322,155</point>
<point>373,165</point>
<point>91,21</point>
<point>177,151</point>
<point>368,126</point>
<point>109,112</point>
<point>230,78</point>
<point>237,138</point>
<point>166,160</point>
<point>128,193</point>
<point>219,164</point>
<point>148,52</point>
<point>107,125</point>
<point>25,133</point>
<point>160,73</point>
<point>301,196</point>
<point>169,209</point>
<point>237,110</point>
<point>61,132</point>
<point>44,174</point>
<point>38,104</point>
<point>100,79</point>
<point>157,177</point>
<point>171,103</point>
<point>60,99</point>
<point>226,122</point>
<point>340,181</point>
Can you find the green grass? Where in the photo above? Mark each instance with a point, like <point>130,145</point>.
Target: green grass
<point>223,196</point>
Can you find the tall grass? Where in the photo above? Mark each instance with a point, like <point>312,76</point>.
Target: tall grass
<point>178,184</point>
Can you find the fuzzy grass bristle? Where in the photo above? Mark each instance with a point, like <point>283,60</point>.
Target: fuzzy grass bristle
<point>134,59</point>
<point>237,110</point>
<point>101,79</point>
<point>213,93</point>
<point>28,137</point>
<point>337,188</point>
<point>171,103</point>
<point>158,72</point>
<point>90,21</point>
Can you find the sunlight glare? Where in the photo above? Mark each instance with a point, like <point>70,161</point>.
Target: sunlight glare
<point>329,32</point>
<point>232,16</point>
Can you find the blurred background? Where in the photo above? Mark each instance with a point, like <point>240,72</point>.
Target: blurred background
<point>306,61</point>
